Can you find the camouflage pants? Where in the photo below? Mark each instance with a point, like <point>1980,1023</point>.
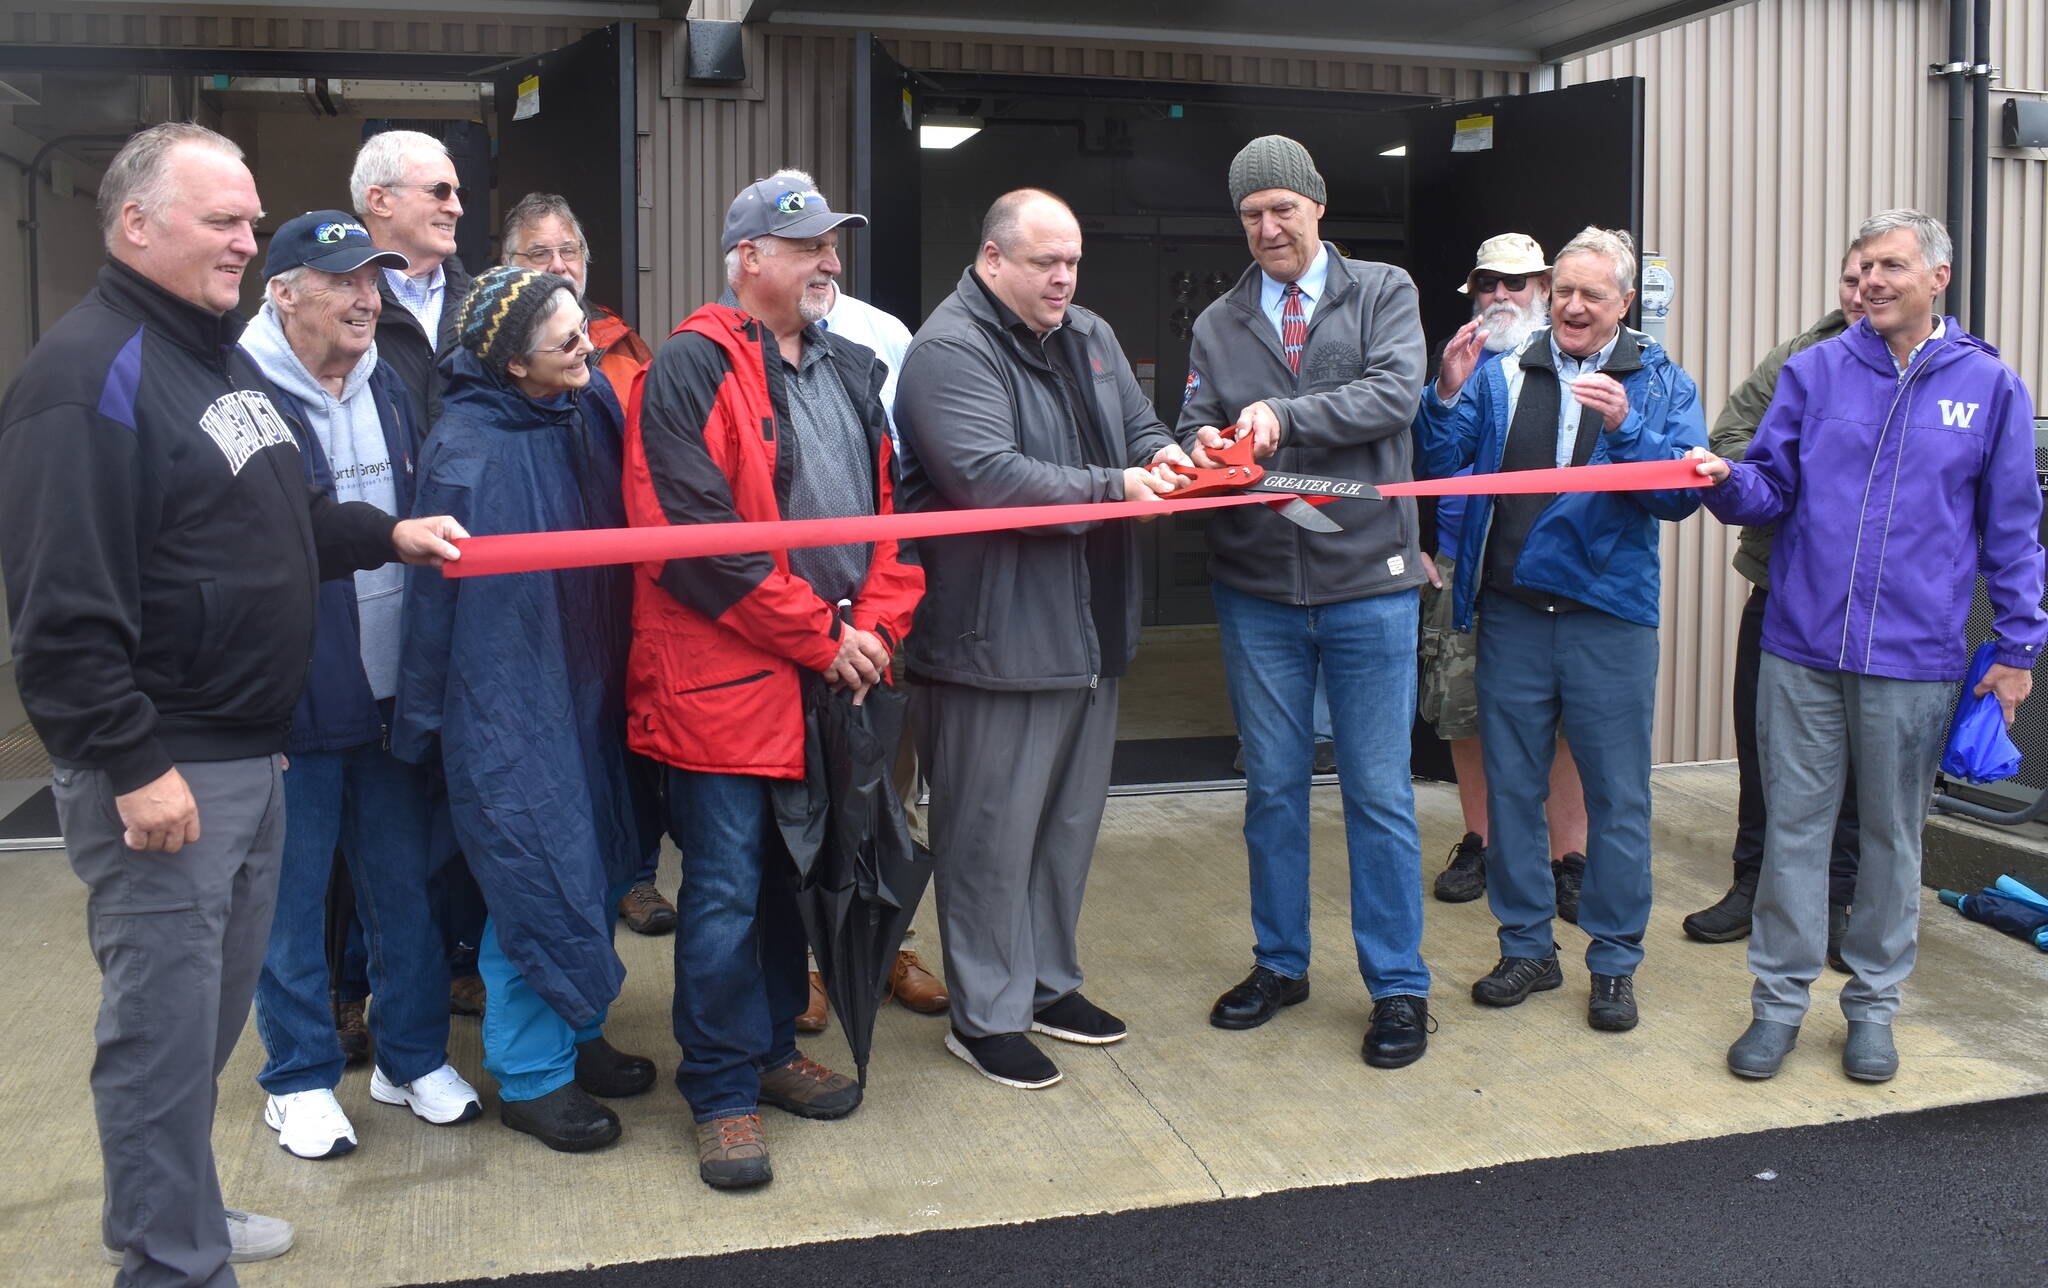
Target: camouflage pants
<point>1446,695</point>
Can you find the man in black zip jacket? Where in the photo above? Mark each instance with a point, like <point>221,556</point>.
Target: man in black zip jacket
<point>162,553</point>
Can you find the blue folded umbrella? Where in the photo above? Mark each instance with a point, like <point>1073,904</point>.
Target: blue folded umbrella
<point>2017,889</point>
<point>1979,749</point>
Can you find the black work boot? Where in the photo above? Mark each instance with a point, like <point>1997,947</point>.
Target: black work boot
<point>1726,921</point>
<point>1570,873</point>
<point>1838,929</point>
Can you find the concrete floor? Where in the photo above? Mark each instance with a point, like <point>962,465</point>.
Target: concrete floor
<point>1179,1112</point>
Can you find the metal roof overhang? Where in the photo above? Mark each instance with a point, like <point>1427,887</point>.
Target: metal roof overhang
<point>1502,31</point>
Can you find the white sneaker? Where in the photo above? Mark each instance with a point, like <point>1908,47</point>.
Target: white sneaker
<point>441,1097</point>
<point>250,1237</point>
<point>310,1124</point>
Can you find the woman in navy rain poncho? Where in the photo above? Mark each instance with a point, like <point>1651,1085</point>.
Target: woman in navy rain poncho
<point>514,685</point>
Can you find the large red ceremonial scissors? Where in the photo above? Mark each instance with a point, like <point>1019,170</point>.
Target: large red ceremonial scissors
<point>1235,471</point>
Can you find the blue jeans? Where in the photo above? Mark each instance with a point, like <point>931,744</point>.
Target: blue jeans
<point>377,808</point>
<point>1595,676</point>
<point>740,976</point>
<point>1364,651</point>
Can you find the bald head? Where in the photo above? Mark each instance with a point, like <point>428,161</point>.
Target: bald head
<point>1031,256</point>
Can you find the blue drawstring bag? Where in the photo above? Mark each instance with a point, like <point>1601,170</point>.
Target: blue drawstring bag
<point>1979,749</point>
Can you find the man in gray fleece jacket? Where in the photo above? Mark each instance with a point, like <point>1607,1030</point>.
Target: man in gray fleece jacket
<point>1321,359</point>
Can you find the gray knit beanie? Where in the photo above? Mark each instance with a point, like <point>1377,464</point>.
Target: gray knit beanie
<point>1275,161</point>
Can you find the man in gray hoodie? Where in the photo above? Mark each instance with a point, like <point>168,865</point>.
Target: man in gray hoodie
<point>314,340</point>
<point>1320,358</point>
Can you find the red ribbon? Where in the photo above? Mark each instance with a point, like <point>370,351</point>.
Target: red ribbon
<point>540,551</point>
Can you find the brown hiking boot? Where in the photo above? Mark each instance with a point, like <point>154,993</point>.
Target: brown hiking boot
<point>647,911</point>
<point>809,1090</point>
<point>352,1030</point>
<point>466,995</point>
<point>917,988</point>
<point>732,1153</point>
<point>813,1018</point>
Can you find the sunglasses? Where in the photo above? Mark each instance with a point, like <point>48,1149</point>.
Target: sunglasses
<point>1487,282</point>
<point>438,191</point>
<point>580,336</point>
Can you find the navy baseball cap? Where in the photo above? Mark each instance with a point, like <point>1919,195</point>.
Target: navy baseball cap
<point>782,207</point>
<point>329,240</point>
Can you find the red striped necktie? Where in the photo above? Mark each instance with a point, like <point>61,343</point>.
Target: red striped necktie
<point>1293,328</point>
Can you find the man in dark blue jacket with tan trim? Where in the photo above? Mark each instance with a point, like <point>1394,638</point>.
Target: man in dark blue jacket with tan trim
<point>162,552</point>
<point>1569,585</point>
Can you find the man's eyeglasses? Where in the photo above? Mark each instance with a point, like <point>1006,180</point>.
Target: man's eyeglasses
<point>538,256</point>
<point>1487,283</point>
<point>438,191</point>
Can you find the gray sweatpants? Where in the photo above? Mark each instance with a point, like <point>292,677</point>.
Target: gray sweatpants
<point>179,939</point>
<point>1811,727</point>
<point>1018,782</point>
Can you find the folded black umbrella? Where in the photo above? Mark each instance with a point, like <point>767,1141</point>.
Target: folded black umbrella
<point>858,876</point>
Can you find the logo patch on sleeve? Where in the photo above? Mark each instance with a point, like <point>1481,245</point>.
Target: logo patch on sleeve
<point>1187,395</point>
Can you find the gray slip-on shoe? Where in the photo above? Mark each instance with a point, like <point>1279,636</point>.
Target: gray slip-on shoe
<point>1762,1047</point>
<point>1868,1055</point>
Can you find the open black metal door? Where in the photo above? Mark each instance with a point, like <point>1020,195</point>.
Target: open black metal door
<point>1544,164</point>
<point>572,131</point>
<point>885,183</point>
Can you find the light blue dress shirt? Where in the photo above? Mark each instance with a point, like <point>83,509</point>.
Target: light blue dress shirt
<point>1568,370</point>
<point>1273,293</point>
<point>422,298</point>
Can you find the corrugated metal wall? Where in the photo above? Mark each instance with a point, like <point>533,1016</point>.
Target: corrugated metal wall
<point>1773,129</point>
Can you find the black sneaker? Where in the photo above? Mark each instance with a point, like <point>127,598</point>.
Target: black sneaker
<point>1008,1058</point>
<point>1726,920</point>
<point>1464,878</point>
<point>1612,1007</point>
<point>1570,874</point>
<point>1514,978</point>
<point>1074,1018</point>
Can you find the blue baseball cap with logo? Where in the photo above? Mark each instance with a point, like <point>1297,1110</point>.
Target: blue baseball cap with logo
<point>781,206</point>
<point>329,240</point>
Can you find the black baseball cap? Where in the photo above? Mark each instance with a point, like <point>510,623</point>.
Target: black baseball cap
<point>781,207</point>
<point>329,240</point>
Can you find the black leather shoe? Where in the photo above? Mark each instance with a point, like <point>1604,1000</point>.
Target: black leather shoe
<point>1399,1031</point>
<point>1727,920</point>
<point>1256,999</point>
<point>566,1119</point>
<point>1838,927</point>
<point>602,1070</point>
<point>1514,978</point>
<point>1612,1008</point>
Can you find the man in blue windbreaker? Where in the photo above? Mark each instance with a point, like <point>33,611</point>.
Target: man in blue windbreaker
<point>1897,459</point>
<point>1567,586</point>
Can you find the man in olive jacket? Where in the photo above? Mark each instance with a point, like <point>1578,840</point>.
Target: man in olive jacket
<point>1011,396</point>
<point>1729,918</point>
<point>1321,359</point>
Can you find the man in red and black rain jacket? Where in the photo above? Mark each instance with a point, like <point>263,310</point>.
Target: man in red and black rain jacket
<point>752,412</point>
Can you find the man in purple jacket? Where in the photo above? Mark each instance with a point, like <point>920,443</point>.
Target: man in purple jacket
<point>1888,455</point>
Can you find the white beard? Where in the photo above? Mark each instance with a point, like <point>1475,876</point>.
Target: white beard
<point>1507,324</point>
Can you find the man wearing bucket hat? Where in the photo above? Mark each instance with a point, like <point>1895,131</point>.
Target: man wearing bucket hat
<point>315,341</point>
<point>752,412</point>
<point>1320,358</point>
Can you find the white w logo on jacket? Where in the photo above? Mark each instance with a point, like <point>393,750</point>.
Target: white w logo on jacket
<point>1957,415</point>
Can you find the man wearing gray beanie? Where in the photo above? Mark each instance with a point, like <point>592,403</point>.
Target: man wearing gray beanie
<point>1320,358</point>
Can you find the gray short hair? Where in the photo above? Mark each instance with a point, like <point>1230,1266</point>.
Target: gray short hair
<point>1935,247</point>
<point>530,210</point>
<point>291,279</point>
<point>140,171</point>
<point>1614,243</point>
<point>380,163</point>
